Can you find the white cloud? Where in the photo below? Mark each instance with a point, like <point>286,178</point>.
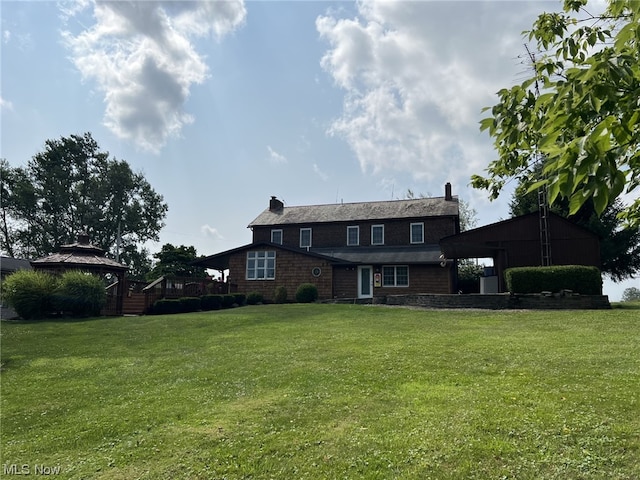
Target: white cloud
<point>6,104</point>
<point>275,157</point>
<point>416,76</point>
<point>323,176</point>
<point>210,231</point>
<point>141,57</point>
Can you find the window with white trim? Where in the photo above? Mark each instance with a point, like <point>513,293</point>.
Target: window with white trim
<point>276,236</point>
<point>261,265</point>
<point>305,237</point>
<point>417,232</point>
<point>353,236</point>
<point>377,234</point>
<point>395,276</point>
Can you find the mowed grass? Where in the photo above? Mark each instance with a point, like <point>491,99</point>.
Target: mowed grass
<point>326,392</point>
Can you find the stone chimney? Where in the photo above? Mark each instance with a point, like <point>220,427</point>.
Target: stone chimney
<point>275,205</point>
<point>447,191</point>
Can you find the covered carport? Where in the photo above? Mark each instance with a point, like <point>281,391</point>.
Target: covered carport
<point>516,242</point>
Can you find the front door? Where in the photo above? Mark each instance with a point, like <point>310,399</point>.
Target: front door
<point>365,282</point>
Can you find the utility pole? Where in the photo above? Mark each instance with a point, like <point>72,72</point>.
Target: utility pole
<point>543,200</point>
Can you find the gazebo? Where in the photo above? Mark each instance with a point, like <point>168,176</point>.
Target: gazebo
<point>84,256</point>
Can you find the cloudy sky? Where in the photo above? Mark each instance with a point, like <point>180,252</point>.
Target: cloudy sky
<point>222,104</point>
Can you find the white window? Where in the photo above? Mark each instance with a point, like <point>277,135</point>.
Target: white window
<point>276,236</point>
<point>377,235</point>
<point>261,265</point>
<point>305,237</point>
<point>417,233</point>
<point>395,276</point>
<point>353,236</point>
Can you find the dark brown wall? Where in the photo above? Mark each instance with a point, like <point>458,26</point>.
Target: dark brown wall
<point>396,232</point>
<point>292,270</point>
<point>422,279</point>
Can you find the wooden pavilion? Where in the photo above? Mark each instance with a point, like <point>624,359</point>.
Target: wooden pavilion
<point>84,256</point>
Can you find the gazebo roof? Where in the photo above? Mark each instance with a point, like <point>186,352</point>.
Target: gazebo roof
<point>80,254</point>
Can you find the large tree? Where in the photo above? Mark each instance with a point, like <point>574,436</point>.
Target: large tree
<point>578,111</point>
<point>73,187</point>
<point>619,247</point>
<point>176,262</point>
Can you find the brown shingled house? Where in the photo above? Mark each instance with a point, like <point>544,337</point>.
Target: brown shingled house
<point>348,250</point>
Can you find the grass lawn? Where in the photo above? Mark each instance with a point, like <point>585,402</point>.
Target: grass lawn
<point>325,392</point>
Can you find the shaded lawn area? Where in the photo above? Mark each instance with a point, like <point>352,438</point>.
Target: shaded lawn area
<point>326,391</point>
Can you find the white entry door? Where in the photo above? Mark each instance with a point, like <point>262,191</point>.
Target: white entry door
<point>365,282</point>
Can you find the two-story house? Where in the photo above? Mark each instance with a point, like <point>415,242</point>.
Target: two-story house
<point>348,250</point>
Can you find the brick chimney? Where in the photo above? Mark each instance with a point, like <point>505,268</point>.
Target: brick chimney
<point>275,205</point>
<point>447,191</point>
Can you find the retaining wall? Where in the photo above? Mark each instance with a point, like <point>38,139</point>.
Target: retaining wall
<point>502,301</point>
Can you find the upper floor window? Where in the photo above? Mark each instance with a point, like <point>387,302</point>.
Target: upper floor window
<point>353,235</point>
<point>261,265</point>
<point>305,237</point>
<point>417,233</point>
<point>276,236</point>
<point>377,235</point>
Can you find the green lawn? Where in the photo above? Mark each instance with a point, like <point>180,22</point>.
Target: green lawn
<point>325,391</point>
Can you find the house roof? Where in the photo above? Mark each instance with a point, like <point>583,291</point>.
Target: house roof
<point>426,254</point>
<point>487,240</point>
<point>220,261</point>
<point>9,264</point>
<point>351,212</point>
<point>79,254</point>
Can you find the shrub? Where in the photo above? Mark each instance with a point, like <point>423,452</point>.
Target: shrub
<point>80,294</point>
<point>30,293</point>
<point>228,301</point>
<point>241,299</point>
<point>280,295</point>
<point>254,298</point>
<point>167,305</point>
<point>578,278</point>
<point>190,304</point>
<point>307,293</point>
<point>211,302</point>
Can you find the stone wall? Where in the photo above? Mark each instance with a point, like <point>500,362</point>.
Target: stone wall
<point>503,301</point>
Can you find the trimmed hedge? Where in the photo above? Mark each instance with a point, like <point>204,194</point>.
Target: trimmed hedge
<point>241,299</point>
<point>30,293</point>
<point>228,301</point>
<point>167,305</point>
<point>578,278</point>
<point>254,298</point>
<point>211,302</point>
<point>190,304</point>
<point>307,293</point>
<point>280,295</point>
<point>79,294</point>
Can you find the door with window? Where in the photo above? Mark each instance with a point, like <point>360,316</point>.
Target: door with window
<point>365,282</point>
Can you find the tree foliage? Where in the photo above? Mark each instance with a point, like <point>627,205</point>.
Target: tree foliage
<point>71,187</point>
<point>619,247</point>
<point>585,121</point>
<point>176,262</point>
<point>631,294</point>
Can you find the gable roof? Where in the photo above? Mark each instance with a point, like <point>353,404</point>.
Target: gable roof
<point>10,264</point>
<point>485,241</point>
<point>424,254</point>
<point>352,212</point>
<point>220,261</point>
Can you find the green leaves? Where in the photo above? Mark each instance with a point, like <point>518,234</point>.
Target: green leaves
<point>71,187</point>
<point>586,122</point>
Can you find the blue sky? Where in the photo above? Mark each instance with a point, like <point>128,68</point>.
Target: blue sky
<point>223,104</point>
